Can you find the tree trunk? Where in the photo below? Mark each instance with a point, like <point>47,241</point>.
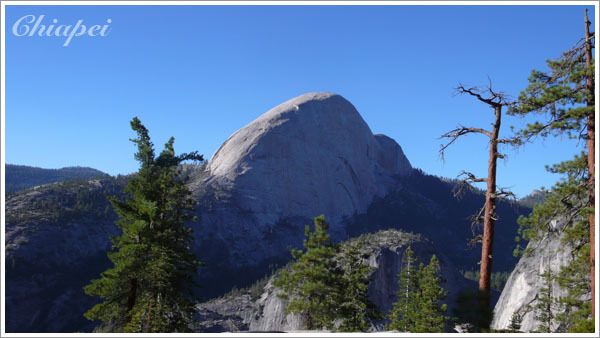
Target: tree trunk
<point>407,291</point>
<point>148,318</point>
<point>131,299</point>
<point>589,83</point>
<point>490,211</point>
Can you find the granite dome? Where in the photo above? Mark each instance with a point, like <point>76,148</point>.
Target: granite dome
<point>311,155</point>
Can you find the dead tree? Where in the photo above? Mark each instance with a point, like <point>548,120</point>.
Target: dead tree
<point>496,100</point>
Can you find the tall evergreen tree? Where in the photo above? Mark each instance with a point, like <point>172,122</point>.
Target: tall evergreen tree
<point>404,310</point>
<point>150,287</point>
<point>431,312</point>
<point>356,310</point>
<point>565,97</point>
<point>419,308</point>
<point>546,303</point>
<point>312,288</point>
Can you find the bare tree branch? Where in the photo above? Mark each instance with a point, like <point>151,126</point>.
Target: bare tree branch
<point>466,182</point>
<point>503,193</point>
<point>492,98</point>
<point>476,222</point>
<point>457,132</point>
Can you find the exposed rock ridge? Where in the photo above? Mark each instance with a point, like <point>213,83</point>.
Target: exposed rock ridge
<point>267,313</point>
<point>311,155</point>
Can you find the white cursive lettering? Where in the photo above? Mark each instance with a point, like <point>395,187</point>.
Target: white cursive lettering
<point>23,27</point>
<point>17,28</point>
<point>74,32</point>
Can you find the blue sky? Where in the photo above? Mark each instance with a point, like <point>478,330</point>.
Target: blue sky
<point>200,73</point>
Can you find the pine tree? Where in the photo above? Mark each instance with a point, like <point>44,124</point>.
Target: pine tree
<point>418,307</point>
<point>312,288</point>
<point>565,97</point>
<point>545,304</point>
<point>402,316</point>
<point>515,322</point>
<point>431,313</point>
<point>356,310</point>
<point>151,286</point>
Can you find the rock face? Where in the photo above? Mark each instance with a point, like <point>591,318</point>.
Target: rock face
<point>53,249</point>
<point>311,155</point>
<point>267,312</point>
<point>524,284</point>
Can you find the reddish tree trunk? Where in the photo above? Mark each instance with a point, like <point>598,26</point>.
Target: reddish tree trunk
<point>591,156</point>
<point>490,207</point>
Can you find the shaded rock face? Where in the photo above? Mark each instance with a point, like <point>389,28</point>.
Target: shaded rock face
<point>385,248</point>
<point>309,156</point>
<point>523,286</point>
<point>50,257</point>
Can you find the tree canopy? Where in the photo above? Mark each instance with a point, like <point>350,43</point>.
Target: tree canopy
<point>151,286</point>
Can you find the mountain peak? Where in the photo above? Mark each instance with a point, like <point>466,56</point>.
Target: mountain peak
<point>309,150</point>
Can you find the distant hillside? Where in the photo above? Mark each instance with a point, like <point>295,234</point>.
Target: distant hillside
<point>21,177</point>
<point>536,197</point>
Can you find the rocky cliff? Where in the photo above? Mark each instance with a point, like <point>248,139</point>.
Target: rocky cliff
<point>260,309</point>
<point>57,237</point>
<point>311,155</point>
<point>523,287</point>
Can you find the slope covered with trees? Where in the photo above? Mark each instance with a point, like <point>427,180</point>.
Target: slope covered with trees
<point>21,177</point>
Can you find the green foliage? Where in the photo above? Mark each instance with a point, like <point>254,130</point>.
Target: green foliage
<point>561,97</point>
<point>418,307</point>
<point>151,286</point>
<point>546,304</point>
<point>567,207</point>
<point>356,310</point>
<point>405,308</point>
<point>498,279</point>
<point>327,283</point>
<point>575,278</point>
<point>515,322</point>
<point>567,201</point>
<point>312,288</point>
<point>431,316</point>
<point>469,310</point>
<point>255,290</point>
